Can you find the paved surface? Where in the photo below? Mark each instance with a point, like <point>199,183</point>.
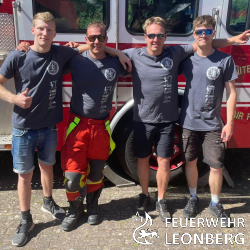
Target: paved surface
<point>118,207</point>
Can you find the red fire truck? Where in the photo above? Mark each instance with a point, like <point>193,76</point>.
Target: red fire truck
<point>124,19</point>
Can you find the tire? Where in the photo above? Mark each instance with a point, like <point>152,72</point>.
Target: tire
<point>123,137</point>
<point>129,161</point>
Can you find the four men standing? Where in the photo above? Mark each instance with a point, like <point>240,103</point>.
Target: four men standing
<point>38,108</point>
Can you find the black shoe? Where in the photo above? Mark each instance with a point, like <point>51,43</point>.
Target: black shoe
<point>144,202</point>
<point>22,231</point>
<point>75,212</point>
<point>190,210</point>
<point>218,211</point>
<point>161,207</point>
<point>53,209</point>
<point>92,207</point>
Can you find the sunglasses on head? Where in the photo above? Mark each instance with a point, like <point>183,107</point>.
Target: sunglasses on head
<point>101,38</point>
<point>159,36</point>
<point>207,32</point>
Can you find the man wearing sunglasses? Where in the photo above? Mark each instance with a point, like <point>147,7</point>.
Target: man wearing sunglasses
<point>88,142</point>
<point>155,90</point>
<point>207,72</point>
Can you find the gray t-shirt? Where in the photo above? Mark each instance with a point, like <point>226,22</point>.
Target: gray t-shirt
<point>155,85</point>
<point>205,81</point>
<point>41,73</point>
<point>93,83</point>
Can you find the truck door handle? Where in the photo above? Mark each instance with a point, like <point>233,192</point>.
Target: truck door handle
<point>215,15</point>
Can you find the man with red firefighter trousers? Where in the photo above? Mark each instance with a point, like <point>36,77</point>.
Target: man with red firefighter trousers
<point>88,142</point>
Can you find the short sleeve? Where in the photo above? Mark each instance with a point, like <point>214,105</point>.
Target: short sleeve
<point>129,53</point>
<point>67,53</point>
<point>68,67</point>
<point>9,66</point>
<point>230,72</point>
<point>182,51</point>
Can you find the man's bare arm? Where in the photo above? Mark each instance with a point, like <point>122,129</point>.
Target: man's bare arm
<point>114,52</point>
<point>227,130</point>
<point>20,100</point>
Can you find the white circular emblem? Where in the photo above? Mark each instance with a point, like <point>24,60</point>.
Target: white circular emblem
<point>167,63</point>
<point>213,73</point>
<point>110,74</point>
<point>53,68</point>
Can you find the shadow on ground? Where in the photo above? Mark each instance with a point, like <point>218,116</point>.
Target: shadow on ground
<point>237,163</point>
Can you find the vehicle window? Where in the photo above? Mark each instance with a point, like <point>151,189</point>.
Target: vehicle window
<point>179,14</point>
<point>239,17</point>
<point>74,15</point>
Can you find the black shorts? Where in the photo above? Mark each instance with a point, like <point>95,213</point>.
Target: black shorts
<point>161,134</point>
<point>213,147</point>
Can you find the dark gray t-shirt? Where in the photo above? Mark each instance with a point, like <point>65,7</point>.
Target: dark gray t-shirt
<point>93,83</point>
<point>205,81</point>
<point>41,73</point>
<point>155,85</point>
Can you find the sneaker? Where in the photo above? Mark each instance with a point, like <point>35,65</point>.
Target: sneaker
<point>22,231</point>
<point>218,211</point>
<point>161,207</point>
<point>75,212</point>
<point>144,202</point>
<point>53,209</point>
<point>190,210</point>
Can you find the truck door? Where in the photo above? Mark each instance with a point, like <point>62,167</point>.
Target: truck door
<point>234,18</point>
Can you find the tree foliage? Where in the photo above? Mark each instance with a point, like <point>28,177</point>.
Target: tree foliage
<point>239,11</point>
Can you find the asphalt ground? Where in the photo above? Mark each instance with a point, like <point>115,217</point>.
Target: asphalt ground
<point>118,221</point>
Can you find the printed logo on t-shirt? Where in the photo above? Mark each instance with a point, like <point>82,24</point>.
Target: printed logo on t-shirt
<point>106,93</point>
<point>110,74</point>
<point>53,68</point>
<point>52,95</point>
<point>167,63</point>
<point>213,73</point>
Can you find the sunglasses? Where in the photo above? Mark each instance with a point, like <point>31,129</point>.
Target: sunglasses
<point>101,38</point>
<point>159,36</point>
<point>207,32</point>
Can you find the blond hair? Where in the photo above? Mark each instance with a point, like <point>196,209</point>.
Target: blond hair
<point>98,24</point>
<point>43,16</point>
<point>205,20</point>
<point>154,20</point>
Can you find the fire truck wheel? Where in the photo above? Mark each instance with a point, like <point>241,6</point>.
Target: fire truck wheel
<point>129,161</point>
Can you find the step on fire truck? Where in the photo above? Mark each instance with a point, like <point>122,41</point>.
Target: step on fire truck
<point>124,20</point>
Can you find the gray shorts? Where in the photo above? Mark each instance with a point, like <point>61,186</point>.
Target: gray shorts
<point>212,145</point>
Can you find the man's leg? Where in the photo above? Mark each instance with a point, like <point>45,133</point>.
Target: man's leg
<point>46,179</point>
<point>214,152</point>
<point>142,143</point>
<point>163,176</point>
<point>191,173</point>
<point>98,153</point>
<point>164,141</point>
<point>24,190</point>
<point>23,148</point>
<point>215,181</point>
<point>74,165</point>
<point>190,143</point>
<point>46,150</point>
<point>143,171</point>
